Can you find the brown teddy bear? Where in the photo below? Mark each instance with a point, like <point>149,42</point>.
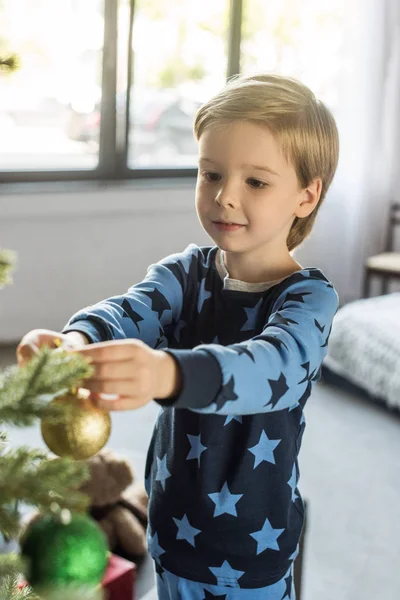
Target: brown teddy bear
<point>118,503</point>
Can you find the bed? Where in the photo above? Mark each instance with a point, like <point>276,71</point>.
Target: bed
<point>364,349</point>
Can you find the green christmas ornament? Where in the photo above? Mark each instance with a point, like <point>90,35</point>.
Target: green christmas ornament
<point>62,550</point>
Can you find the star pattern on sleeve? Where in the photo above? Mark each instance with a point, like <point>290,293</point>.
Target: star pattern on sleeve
<point>309,377</point>
<point>251,316</point>
<point>243,349</point>
<point>225,502</point>
<point>130,313</point>
<point>292,483</point>
<point>226,575</point>
<point>162,472</point>
<point>327,338</point>
<point>159,303</point>
<point>197,448</point>
<point>203,295</point>
<point>279,319</point>
<point>317,274</point>
<point>279,388</point>
<point>295,297</point>
<point>266,537</point>
<point>227,393</point>
<point>272,339</point>
<point>264,450</point>
<point>186,531</point>
<point>318,326</point>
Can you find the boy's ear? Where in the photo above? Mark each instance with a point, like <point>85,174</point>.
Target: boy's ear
<point>309,198</point>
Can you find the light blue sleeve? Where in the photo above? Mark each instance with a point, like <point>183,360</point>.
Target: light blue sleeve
<point>271,371</point>
<point>145,311</point>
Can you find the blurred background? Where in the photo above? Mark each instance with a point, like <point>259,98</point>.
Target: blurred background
<point>97,174</point>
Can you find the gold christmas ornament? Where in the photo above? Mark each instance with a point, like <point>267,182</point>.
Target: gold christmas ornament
<point>80,433</point>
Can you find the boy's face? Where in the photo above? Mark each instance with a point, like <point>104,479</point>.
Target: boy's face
<point>247,194</point>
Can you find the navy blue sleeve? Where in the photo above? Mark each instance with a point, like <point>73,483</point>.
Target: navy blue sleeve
<point>270,371</point>
<point>145,310</point>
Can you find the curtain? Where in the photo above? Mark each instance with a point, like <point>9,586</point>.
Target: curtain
<point>353,223</point>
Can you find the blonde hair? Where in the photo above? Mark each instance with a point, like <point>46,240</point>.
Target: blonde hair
<point>302,125</point>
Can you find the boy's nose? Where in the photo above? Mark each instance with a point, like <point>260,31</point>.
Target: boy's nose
<point>224,198</point>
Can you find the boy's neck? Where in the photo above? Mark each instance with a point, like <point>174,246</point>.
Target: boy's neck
<point>251,270</point>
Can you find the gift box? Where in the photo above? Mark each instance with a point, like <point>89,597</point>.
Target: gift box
<point>118,581</point>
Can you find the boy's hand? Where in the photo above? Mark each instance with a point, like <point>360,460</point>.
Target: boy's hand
<point>37,338</point>
<point>132,372</point>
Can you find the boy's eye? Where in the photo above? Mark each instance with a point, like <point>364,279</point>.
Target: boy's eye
<point>211,176</point>
<point>256,183</point>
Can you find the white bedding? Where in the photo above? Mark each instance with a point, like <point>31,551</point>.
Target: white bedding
<point>364,346</point>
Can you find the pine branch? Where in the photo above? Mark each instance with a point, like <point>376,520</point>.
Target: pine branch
<point>25,392</point>
<point>9,590</point>
<point>7,262</point>
<point>10,564</point>
<point>31,477</point>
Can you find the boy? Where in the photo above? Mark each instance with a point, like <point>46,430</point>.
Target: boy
<point>229,340</point>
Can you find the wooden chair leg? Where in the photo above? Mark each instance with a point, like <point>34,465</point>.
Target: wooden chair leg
<point>366,284</point>
<point>385,285</point>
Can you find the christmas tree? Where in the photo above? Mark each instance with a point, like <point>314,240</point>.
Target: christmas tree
<point>27,475</point>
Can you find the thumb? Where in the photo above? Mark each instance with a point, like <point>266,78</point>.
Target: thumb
<point>25,353</point>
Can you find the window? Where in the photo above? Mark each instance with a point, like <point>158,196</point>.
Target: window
<point>108,89</point>
<point>172,76</point>
<point>49,108</point>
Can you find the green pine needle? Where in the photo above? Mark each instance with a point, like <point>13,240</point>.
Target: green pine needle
<point>30,476</point>
<point>25,391</point>
<point>7,262</point>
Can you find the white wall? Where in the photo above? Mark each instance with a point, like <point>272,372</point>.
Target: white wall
<point>80,245</point>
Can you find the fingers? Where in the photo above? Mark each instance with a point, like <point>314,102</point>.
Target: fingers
<point>118,388</point>
<point>33,341</point>
<point>118,404</point>
<point>117,350</point>
<point>123,369</point>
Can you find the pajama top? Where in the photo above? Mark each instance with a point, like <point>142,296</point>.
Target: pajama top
<point>222,467</point>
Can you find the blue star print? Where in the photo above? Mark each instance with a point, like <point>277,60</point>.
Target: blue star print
<point>266,537</point>
<point>225,502</point>
<point>230,418</point>
<point>162,471</point>
<point>226,575</point>
<point>224,450</point>
<point>264,450</point>
<point>197,447</point>
<point>203,296</point>
<point>251,316</point>
<point>186,531</point>
<point>156,549</point>
<point>292,483</point>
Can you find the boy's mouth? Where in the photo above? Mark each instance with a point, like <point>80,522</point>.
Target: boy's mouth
<point>227,226</point>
